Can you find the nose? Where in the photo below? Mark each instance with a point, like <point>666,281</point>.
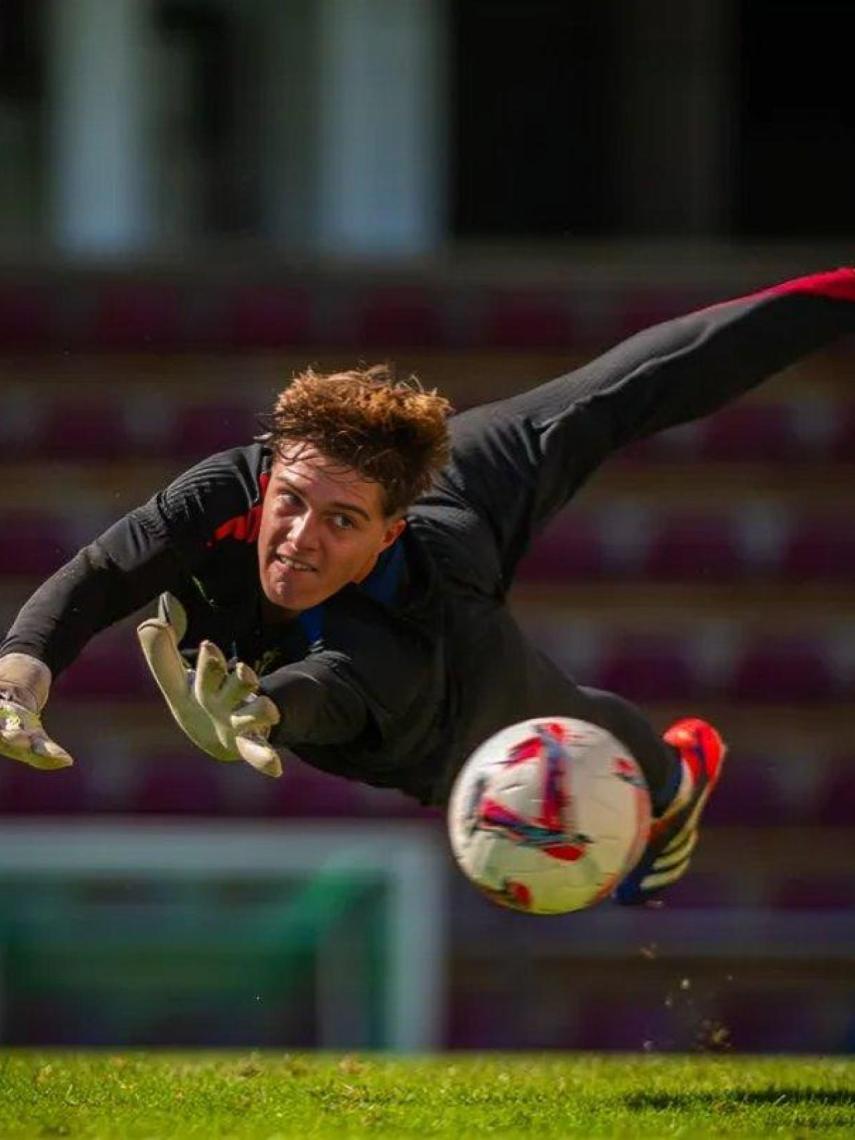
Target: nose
<point>302,533</point>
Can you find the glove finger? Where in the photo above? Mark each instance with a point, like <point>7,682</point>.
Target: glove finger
<point>49,754</point>
<point>240,684</point>
<point>260,755</point>
<point>14,743</point>
<point>36,750</point>
<point>211,673</point>
<point>170,610</point>
<point>257,715</point>
<point>160,649</point>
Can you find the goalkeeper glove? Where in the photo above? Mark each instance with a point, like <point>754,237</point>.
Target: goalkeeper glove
<point>24,686</point>
<point>219,708</point>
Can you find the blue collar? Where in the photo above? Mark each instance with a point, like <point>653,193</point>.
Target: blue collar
<point>381,585</point>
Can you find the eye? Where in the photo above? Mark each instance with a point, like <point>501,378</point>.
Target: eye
<point>343,522</point>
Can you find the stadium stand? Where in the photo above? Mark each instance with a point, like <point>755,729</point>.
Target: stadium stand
<point>707,569</point>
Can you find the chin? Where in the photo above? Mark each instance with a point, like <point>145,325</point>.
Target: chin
<point>291,596</point>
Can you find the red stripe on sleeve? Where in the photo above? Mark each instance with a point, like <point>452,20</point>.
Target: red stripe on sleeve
<point>839,285</point>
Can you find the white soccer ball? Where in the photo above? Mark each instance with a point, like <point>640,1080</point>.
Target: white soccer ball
<point>548,815</point>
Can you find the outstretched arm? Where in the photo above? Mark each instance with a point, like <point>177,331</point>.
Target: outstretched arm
<point>148,552</point>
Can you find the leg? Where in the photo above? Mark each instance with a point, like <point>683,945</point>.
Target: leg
<point>503,678</point>
<point>516,462</point>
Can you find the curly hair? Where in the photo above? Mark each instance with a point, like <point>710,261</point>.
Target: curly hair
<point>391,431</point>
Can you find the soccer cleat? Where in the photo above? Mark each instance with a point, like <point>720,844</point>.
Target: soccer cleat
<point>674,834</point>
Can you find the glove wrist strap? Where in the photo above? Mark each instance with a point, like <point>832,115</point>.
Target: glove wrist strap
<point>25,679</point>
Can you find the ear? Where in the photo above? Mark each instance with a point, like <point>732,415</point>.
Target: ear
<point>393,532</point>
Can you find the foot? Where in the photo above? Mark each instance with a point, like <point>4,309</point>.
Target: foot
<point>674,834</point>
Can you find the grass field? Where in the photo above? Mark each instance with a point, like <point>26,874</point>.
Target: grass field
<point>270,1096</point>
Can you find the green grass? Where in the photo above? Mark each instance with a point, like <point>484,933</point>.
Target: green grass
<point>269,1096</point>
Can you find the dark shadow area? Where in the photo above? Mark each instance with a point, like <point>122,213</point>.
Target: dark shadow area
<point>725,1099</point>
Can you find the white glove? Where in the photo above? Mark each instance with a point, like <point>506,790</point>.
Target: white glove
<point>24,686</point>
<point>218,708</point>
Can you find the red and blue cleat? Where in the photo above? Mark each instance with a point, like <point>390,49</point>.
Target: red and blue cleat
<point>673,835</point>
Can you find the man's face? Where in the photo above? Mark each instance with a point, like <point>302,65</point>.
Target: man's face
<point>322,526</point>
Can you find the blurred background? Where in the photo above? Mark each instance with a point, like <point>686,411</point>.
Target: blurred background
<point>198,197</point>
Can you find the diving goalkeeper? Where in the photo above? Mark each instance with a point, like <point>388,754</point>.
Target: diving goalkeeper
<point>337,589</point>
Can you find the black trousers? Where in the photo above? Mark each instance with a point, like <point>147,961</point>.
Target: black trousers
<point>515,463</point>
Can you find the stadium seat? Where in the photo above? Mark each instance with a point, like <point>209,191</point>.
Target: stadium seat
<point>24,791</point>
<point>84,431</point>
<point>750,433</point>
<point>270,317</point>
<point>695,547</point>
<point>570,548</point>
<point>828,891</point>
<point>702,890</point>
<point>749,794</point>
<point>675,445</point>
<point>777,1018</point>
<point>481,1018</point>
<point>843,444</point>
<point>782,670</point>
<point>305,791</point>
<point>639,309</point>
<point>111,668</point>
<point>34,543</point>
<point>835,805</point>
<point>648,667</point>
<point>528,320</point>
<point>821,547</point>
<point>26,317</point>
<point>610,1020</point>
<point>139,315</point>
<point>201,430</point>
<point>406,317</point>
<point>179,784</point>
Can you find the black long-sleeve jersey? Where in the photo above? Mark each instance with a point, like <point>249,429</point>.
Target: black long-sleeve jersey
<point>395,680</point>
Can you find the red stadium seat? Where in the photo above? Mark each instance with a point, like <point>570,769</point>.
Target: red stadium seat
<point>139,315</point>
<point>821,547</point>
<point>675,445</point>
<point>528,320</point>
<point>271,317</point>
<point>648,667</point>
<point>84,431</point>
<point>33,543</point>
<point>767,1020</point>
<point>179,784</point>
<point>750,433</point>
<point>835,806</point>
<point>816,892</point>
<point>750,793</point>
<point>111,667</point>
<point>783,670</point>
<point>702,890</point>
<point>24,791</point>
<point>640,309</point>
<point>306,791</point>
<point>570,548</point>
<point>26,317</point>
<point>843,442</point>
<point>399,318</point>
<point>614,1019</point>
<point>696,547</point>
<point>201,430</point>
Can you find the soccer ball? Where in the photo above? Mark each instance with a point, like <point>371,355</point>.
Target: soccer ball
<point>548,815</point>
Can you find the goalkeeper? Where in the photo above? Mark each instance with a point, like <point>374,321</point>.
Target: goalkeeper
<point>337,589</point>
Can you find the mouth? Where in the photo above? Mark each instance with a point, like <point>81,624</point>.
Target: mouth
<point>294,564</point>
